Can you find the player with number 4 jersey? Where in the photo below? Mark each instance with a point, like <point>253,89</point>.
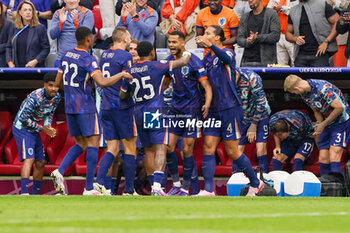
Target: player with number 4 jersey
<point>225,108</point>
<point>77,71</point>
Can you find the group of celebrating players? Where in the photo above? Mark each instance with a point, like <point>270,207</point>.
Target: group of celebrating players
<point>208,89</point>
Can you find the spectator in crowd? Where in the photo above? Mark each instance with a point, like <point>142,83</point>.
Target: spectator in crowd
<point>133,50</point>
<point>38,107</point>
<point>64,24</point>
<point>228,3</point>
<point>258,33</point>
<point>285,49</point>
<point>152,3</point>
<point>28,46</point>
<point>241,7</point>
<point>179,16</point>
<point>340,5</point>
<point>311,27</point>
<point>216,14</point>
<point>58,4</point>
<point>343,26</point>
<point>108,15</point>
<point>292,131</point>
<point>6,30</point>
<point>140,19</point>
<point>42,7</point>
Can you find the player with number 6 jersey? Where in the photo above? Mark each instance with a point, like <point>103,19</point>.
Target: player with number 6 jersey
<point>117,115</point>
<point>78,69</point>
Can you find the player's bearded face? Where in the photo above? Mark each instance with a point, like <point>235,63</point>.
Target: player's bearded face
<point>174,45</point>
<point>51,89</point>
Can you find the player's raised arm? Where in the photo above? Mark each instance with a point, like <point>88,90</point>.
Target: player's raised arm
<point>106,82</point>
<point>182,61</point>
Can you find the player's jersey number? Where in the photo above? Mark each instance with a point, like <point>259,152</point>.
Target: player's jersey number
<point>144,85</point>
<point>67,67</point>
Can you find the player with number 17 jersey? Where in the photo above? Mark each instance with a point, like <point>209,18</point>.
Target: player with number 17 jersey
<point>78,66</point>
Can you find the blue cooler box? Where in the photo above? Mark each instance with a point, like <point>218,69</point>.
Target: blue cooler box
<point>236,182</point>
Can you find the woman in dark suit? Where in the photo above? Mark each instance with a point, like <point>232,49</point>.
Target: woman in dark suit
<point>6,30</point>
<point>29,45</point>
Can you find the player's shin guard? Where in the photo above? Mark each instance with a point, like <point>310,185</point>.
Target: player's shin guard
<point>208,168</point>
<point>298,164</point>
<point>105,164</point>
<point>70,157</point>
<point>91,162</point>
<point>36,187</point>
<point>335,167</point>
<point>244,165</point>
<point>194,180</point>
<point>235,167</point>
<point>276,165</point>
<point>263,163</point>
<point>24,185</point>
<point>171,162</point>
<point>188,168</point>
<point>325,168</point>
<point>129,168</point>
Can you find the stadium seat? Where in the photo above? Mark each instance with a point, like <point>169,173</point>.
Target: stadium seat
<point>98,20</point>
<point>223,169</point>
<point>14,165</point>
<point>54,148</point>
<point>5,127</point>
<point>96,2</point>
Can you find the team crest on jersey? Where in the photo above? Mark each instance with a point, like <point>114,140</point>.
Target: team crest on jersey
<point>215,61</point>
<point>163,61</point>
<point>30,151</point>
<point>222,21</point>
<point>185,70</point>
<point>94,64</point>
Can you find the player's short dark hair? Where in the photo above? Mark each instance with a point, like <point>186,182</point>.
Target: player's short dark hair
<point>50,77</point>
<point>144,48</point>
<point>118,34</point>
<point>219,32</point>
<point>81,33</point>
<point>177,33</point>
<point>281,126</point>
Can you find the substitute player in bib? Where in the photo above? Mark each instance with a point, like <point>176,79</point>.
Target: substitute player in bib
<point>185,106</point>
<point>147,85</point>
<point>292,131</point>
<point>38,106</point>
<point>256,111</point>
<point>78,70</point>
<point>117,115</point>
<point>226,109</point>
<point>332,115</point>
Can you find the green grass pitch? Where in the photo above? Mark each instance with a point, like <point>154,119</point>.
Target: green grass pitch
<point>177,214</point>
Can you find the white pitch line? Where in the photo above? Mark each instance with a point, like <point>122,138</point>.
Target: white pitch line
<point>182,217</point>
